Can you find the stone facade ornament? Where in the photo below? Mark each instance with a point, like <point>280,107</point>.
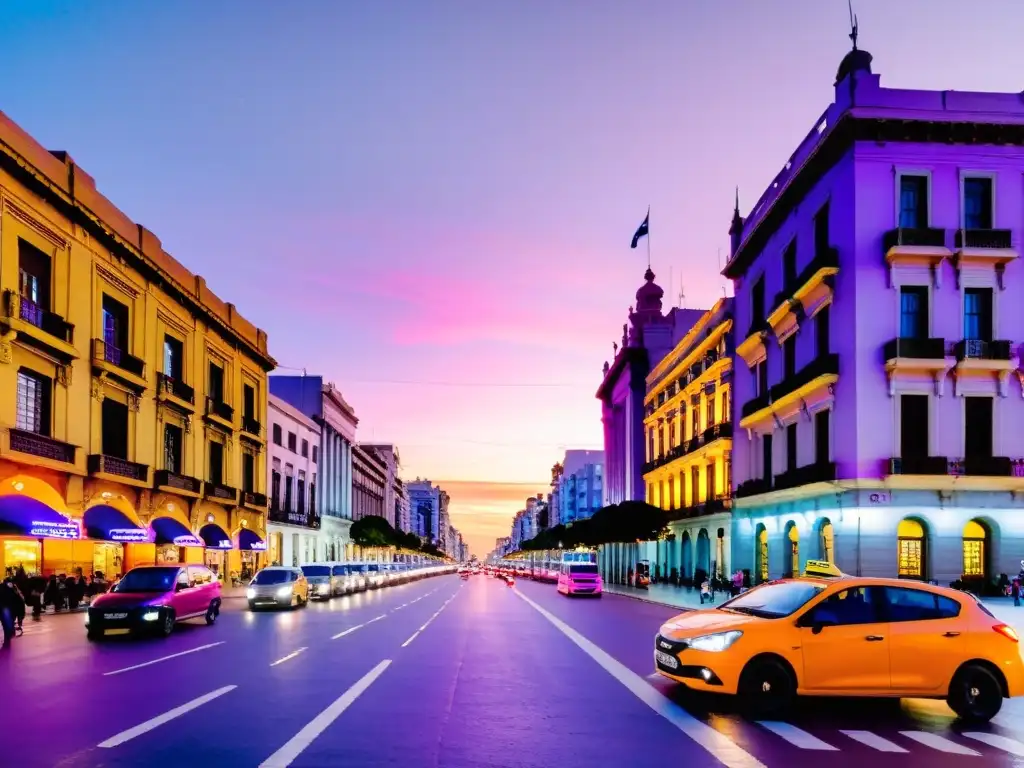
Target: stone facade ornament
<point>64,375</point>
<point>188,424</point>
<point>134,403</point>
<point>96,389</point>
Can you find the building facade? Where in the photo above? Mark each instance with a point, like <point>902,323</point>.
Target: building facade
<point>878,372</point>
<point>322,402</point>
<point>369,483</point>
<point>688,421</point>
<point>646,338</point>
<point>424,502</point>
<point>396,507</point>
<point>580,485</point>
<point>131,424</point>
<point>294,530</point>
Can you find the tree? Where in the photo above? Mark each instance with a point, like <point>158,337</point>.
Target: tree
<point>408,540</point>
<point>431,549</point>
<point>373,531</point>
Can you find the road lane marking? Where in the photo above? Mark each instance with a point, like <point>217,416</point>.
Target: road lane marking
<point>300,741</point>
<point>377,618</point>
<point>935,741</point>
<point>796,736</point>
<point>348,631</point>
<point>1012,746</point>
<point>166,717</point>
<point>715,742</point>
<point>291,655</point>
<point>413,637</point>
<point>163,658</point>
<point>869,739</point>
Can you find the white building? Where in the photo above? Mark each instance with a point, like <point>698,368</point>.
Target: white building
<point>293,519</point>
<point>396,507</point>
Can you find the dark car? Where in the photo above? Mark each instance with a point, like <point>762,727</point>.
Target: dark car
<point>152,598</point>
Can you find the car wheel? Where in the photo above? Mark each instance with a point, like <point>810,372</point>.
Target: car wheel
<point>167,623</point>
<point>767,687</point>
<point>975,694</point>
<point>252,606</point>
<point>212,613</point>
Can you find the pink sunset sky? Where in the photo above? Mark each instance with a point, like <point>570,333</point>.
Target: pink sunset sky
<point>430,202</point>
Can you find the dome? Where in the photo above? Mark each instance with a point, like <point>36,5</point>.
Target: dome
<point>648,298</point>
<point>855,61</point>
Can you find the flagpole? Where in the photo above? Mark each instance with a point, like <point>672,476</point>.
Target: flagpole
<point>648,238</point>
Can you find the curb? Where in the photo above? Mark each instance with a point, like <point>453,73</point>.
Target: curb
<point>680,608</point>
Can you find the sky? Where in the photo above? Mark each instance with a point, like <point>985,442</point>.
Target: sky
<point>430,202</point>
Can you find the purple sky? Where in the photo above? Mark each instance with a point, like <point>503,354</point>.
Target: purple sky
<point>424,199</point>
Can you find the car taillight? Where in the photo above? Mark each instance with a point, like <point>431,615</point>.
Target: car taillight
<point>1007,631</point>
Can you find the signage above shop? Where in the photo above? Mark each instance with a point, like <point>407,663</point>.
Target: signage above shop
<point>128,535</point>
<point>187,541</point>
<point>51,530</point>
<point>258,546</point>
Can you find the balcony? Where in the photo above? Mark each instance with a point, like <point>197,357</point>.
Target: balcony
<point>822,366</point>
<point>251,426</point>
<point>254,500</point>
<point>118,364</point>
<point>915,349</point>
<point>220,492</point>
<point>983,239</point>
<point>756,404</point>
<point>117,469</point>
<point>753,487</point>
<point>984,247</point>
<point>983,466</point>
<point>220,412</point>
<point>41,446</point>
<point>165,480</point>
<point>808,289</point>
<point>824,472</point>
<point>717,432</point>
<point>924,237</point>
<point>976,349</point>
<point>975,357</point>
<point>914,356</point>
<point>38,327</point>
<point>752,348</point>
<point>175,392</point>
<point>919,465</point>
<point>710,507</point>
<point>915,247</point>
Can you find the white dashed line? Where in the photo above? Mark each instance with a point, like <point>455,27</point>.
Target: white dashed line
<point>166,717</point>
<point>377,618</point>
<point>163,658</point>
<point>291,655</point>
<point>300,741</point>
<point>412,637</point>
<point>348,631</point>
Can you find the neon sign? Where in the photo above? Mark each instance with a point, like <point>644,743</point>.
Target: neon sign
<point>128,534</point>
<point>54,530</point>
<point>187,541</point>
<point>224,544</point>
<point>258,546</point>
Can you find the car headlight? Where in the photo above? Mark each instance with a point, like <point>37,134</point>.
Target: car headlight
<point>151,615</point>
<point>250,593</point>
<point>284,591</point>
<point>720,641</point>
<point>87,618</point>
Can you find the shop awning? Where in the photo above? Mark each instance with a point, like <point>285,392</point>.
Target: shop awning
<point>25,516</point>
<point>214,537</point>
<point>111,524</point>
<point>170,531</point>
<point>249,541</point>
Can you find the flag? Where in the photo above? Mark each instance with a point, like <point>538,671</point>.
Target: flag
<point>641,231</point>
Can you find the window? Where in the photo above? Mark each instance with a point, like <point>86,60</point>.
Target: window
<point>914,426</point>
<point>757,301</point>
<point>248,401</point>
<point>312,497</point>
<point>216,475</point>
<point>851,606</point>
<point>789,266</point>
<point>316,453</point>
<point>709,412</point>
<point>789,357</point>
<point>978,314</point>
<point>978,427</point>
<point>913,202</point>
<point>791,455</point>
<point>216,384</point>
<point>761,372</point>
<point>821,233</point>
<point>978,203</point>
<point>766,457</point>
<point>174,357</point>
<point>305,448</point>
<point>727,475</point>
<point>173,440</point>
<point>918,605</point>
<point>822,330</point>
<point>248,472</point>
<point>774,601</point>
<point>301,492</point>
<point>821,437</point>
<point>33,280</point>
<point>276,431</point>
<point>34,401</point>
<point>709,481</point>
<point>910,549</point>
<point>115,325</point>
<point>292,441</point>
<point>115,429</point>
<point>288,479</point>
<point>726,412</point>
<point>914,312</point>
<point>275,485</point>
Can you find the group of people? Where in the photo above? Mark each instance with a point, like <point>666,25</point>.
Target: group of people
<point>20,591</point>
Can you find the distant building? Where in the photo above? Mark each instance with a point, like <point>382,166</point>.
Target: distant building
<point>369,483</point>
<point>580,486</point>
<point>395,508</point>
<point>428,508</point>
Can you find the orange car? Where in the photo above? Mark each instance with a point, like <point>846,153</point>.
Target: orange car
<point>827,634</point>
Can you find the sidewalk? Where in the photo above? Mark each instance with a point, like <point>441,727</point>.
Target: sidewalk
<point>683,598</point>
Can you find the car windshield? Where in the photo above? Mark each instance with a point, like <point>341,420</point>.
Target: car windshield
<point>275,576</point>
<point>772,601</point>
<point>148,580</point>
<point>312,571</point>
<point>341,570</point>
<point>588,569</point>
<point>373,568</point>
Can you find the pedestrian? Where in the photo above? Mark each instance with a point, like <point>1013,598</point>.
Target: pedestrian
<point>12,610</point>
<point>705,592</point>
<point>1015,591</point>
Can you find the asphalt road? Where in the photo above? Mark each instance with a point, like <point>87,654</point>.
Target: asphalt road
<point>439,672</point>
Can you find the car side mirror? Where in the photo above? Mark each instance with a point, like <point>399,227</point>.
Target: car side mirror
<point>178,586</point>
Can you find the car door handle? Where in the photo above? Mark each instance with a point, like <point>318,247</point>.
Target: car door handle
<point>874,638</point>
<point>952,634</point>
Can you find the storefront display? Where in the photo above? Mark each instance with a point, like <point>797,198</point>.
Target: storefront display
<point>22,553</point>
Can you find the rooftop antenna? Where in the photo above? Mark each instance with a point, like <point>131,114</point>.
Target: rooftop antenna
<point>853,24</point>
<point>682,295</point>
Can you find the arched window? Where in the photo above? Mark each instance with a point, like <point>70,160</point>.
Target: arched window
<point>911,552</point>
<point>762,555</point>
<point>793,535</point>
<point>828,545</point>
<point>975,537</point>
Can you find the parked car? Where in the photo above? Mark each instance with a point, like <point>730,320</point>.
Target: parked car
<point>323,585</point>
<point>278,587</point>
<point>152,598</point>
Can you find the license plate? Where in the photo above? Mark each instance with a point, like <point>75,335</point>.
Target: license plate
<point>117,631</point>
<point>115,615</point>
<point>666,659</point>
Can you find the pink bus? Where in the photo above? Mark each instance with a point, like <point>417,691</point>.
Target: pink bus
<point>580,578</point>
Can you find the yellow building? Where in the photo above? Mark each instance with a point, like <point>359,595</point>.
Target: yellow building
<point>688,426</point>
<point>131,397</point>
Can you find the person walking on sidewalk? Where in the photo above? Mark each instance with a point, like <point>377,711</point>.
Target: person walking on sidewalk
<point>1015,591</point>
<point>12,610</point>
<point>705,592</point>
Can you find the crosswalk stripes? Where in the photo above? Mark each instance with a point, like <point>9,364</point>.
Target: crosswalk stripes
<point>1004,743</point>
<point>804,740</point>
<point>869,739</point>
<point>796,736</point>
<point>941,743</point>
